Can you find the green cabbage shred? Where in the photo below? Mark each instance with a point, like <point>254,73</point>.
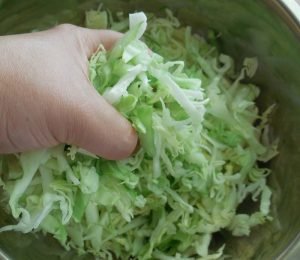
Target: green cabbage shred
<point>198,160</point>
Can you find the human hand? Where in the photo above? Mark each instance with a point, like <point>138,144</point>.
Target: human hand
<point>46,97</point>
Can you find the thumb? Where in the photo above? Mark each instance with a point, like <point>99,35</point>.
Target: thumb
<point>97,127</point>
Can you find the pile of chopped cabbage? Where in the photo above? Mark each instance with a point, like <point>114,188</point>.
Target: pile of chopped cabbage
<point>197,163</point>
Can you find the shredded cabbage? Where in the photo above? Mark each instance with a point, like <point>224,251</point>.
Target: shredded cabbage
<point>197,163</point>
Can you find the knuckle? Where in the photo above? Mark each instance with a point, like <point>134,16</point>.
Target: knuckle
<point>65,28</point>
<point>72,32</point>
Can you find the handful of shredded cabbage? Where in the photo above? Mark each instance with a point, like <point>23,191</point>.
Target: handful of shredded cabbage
<point>197,164</point>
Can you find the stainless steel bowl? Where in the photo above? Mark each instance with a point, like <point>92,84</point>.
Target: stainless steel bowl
<point>268,29</point>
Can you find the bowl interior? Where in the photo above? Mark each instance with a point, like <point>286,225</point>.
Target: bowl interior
<point>247,29</point>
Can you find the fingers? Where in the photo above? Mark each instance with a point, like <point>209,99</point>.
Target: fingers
<point>106,132</point>
<point>91,39</point>
<point>97,127</point>
<point>90,122</point>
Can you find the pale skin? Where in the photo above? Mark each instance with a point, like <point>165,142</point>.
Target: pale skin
<point>46,97</point>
